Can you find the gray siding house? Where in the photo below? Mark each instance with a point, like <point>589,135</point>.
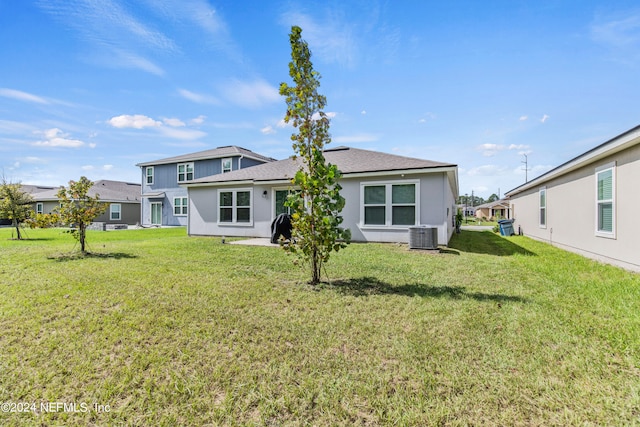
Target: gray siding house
<point>123,199</point>
<point>589,204</point>
<point>165,200</point>
<point>385,195</point>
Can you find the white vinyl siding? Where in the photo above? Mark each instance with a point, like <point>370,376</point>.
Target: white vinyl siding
<point>235,207</point>
<point>605,201</point>
<point>115,211</point>
<point>390,204</point>
<point>180,206</point>
<point>185,172</point>
<point>543,208</point>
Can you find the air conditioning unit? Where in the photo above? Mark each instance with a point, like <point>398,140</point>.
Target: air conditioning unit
<point>423,237</point>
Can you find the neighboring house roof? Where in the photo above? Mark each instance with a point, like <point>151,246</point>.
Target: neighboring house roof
<point>220,152</point>
<point>349,160</point>
<point>621,142</point>
<point>108,191</point>
<point>502,203</point>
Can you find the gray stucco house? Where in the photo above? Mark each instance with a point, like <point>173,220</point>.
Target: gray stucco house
<point>165,200</point>
<point>589,204</point>
<point>385,195</point>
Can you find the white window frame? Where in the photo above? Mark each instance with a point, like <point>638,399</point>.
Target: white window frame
<point>223,161</point>
<point>39,208</point>
<point>112,212</point>
<point>188,169</point>
<point>234,207</point>
<point>149,175</point>
<point>603,233</point>
<point>389,204</point>
<point>540,207</point>
<point>182,203</point>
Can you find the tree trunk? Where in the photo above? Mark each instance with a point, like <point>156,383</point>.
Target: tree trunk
<point>81,230</point>
<point>17,226</point>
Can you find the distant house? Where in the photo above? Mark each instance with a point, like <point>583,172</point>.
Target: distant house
<point>493,210</point>
<point>123,199</point>
<point>165,201</point>
<point>589,204</point>
<point>385,195</point>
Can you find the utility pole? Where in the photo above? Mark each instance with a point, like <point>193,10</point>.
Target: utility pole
<point>526,168</point>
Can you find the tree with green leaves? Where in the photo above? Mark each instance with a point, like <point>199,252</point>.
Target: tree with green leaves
<point>15,204</point>
<point>316,207</point>
<point>78,209</point>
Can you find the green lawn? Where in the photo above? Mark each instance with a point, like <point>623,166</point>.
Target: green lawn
<point>171,330</point>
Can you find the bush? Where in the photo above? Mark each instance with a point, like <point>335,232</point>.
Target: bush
<point>44,221</point>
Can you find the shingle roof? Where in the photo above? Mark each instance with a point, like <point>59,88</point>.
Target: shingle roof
<point>349,161</point>
<point>215,153</point>
<point>109,191</point>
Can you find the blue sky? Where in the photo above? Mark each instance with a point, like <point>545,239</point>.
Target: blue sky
<point>92,87</point>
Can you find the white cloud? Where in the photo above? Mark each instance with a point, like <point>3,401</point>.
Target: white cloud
<point>198,97</point>
<point>518,147</point>
<point>114,32</point>
<point>523,118</point>
<point>87,168</point>
<point>544,118</point>
<point>253,94</point>
<point>363,112</point>
<point>198,120</point>
<point>489,150</point>
<point>184,134</point>
<point>174,122</point>
<point>107,167</point>
<point>330,115</point>
<point>332,39</point>
<point>22,96</point>
<point>268,130</point>
<point>56,138</point>
<point>136,121</point>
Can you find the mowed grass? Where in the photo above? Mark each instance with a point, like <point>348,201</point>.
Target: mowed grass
<point>169,330</point>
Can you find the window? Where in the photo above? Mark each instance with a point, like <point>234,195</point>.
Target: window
<point>227,165</point>
<point>386,204</point>
<point>149,175</point>
<point>280,198</point>
<point>39,208</point>
<point>605,201</point>
<point>235,207</point>
<point>185,172</point>
<point>180,206</point>
<point>543,207</point>
<point>115,210</point>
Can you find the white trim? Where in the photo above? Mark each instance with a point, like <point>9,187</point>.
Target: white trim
<point>146,175</point>
<point>540,207</point>
<point>600,233</point>
<point>234,207</point>
<point>388,225</point>
<point>111,212</point>
<point>39,208</point>
<point>181,206</point>
<point>186,171</point>
<point>222,168</point>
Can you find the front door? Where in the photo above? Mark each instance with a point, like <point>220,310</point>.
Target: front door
<point>156,213</point>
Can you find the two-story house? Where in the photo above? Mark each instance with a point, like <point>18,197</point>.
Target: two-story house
<point>165,201</point>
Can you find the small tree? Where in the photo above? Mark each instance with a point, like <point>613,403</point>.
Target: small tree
<point>316,207</point>
<point>15,204</point>
<point>78,209</point>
